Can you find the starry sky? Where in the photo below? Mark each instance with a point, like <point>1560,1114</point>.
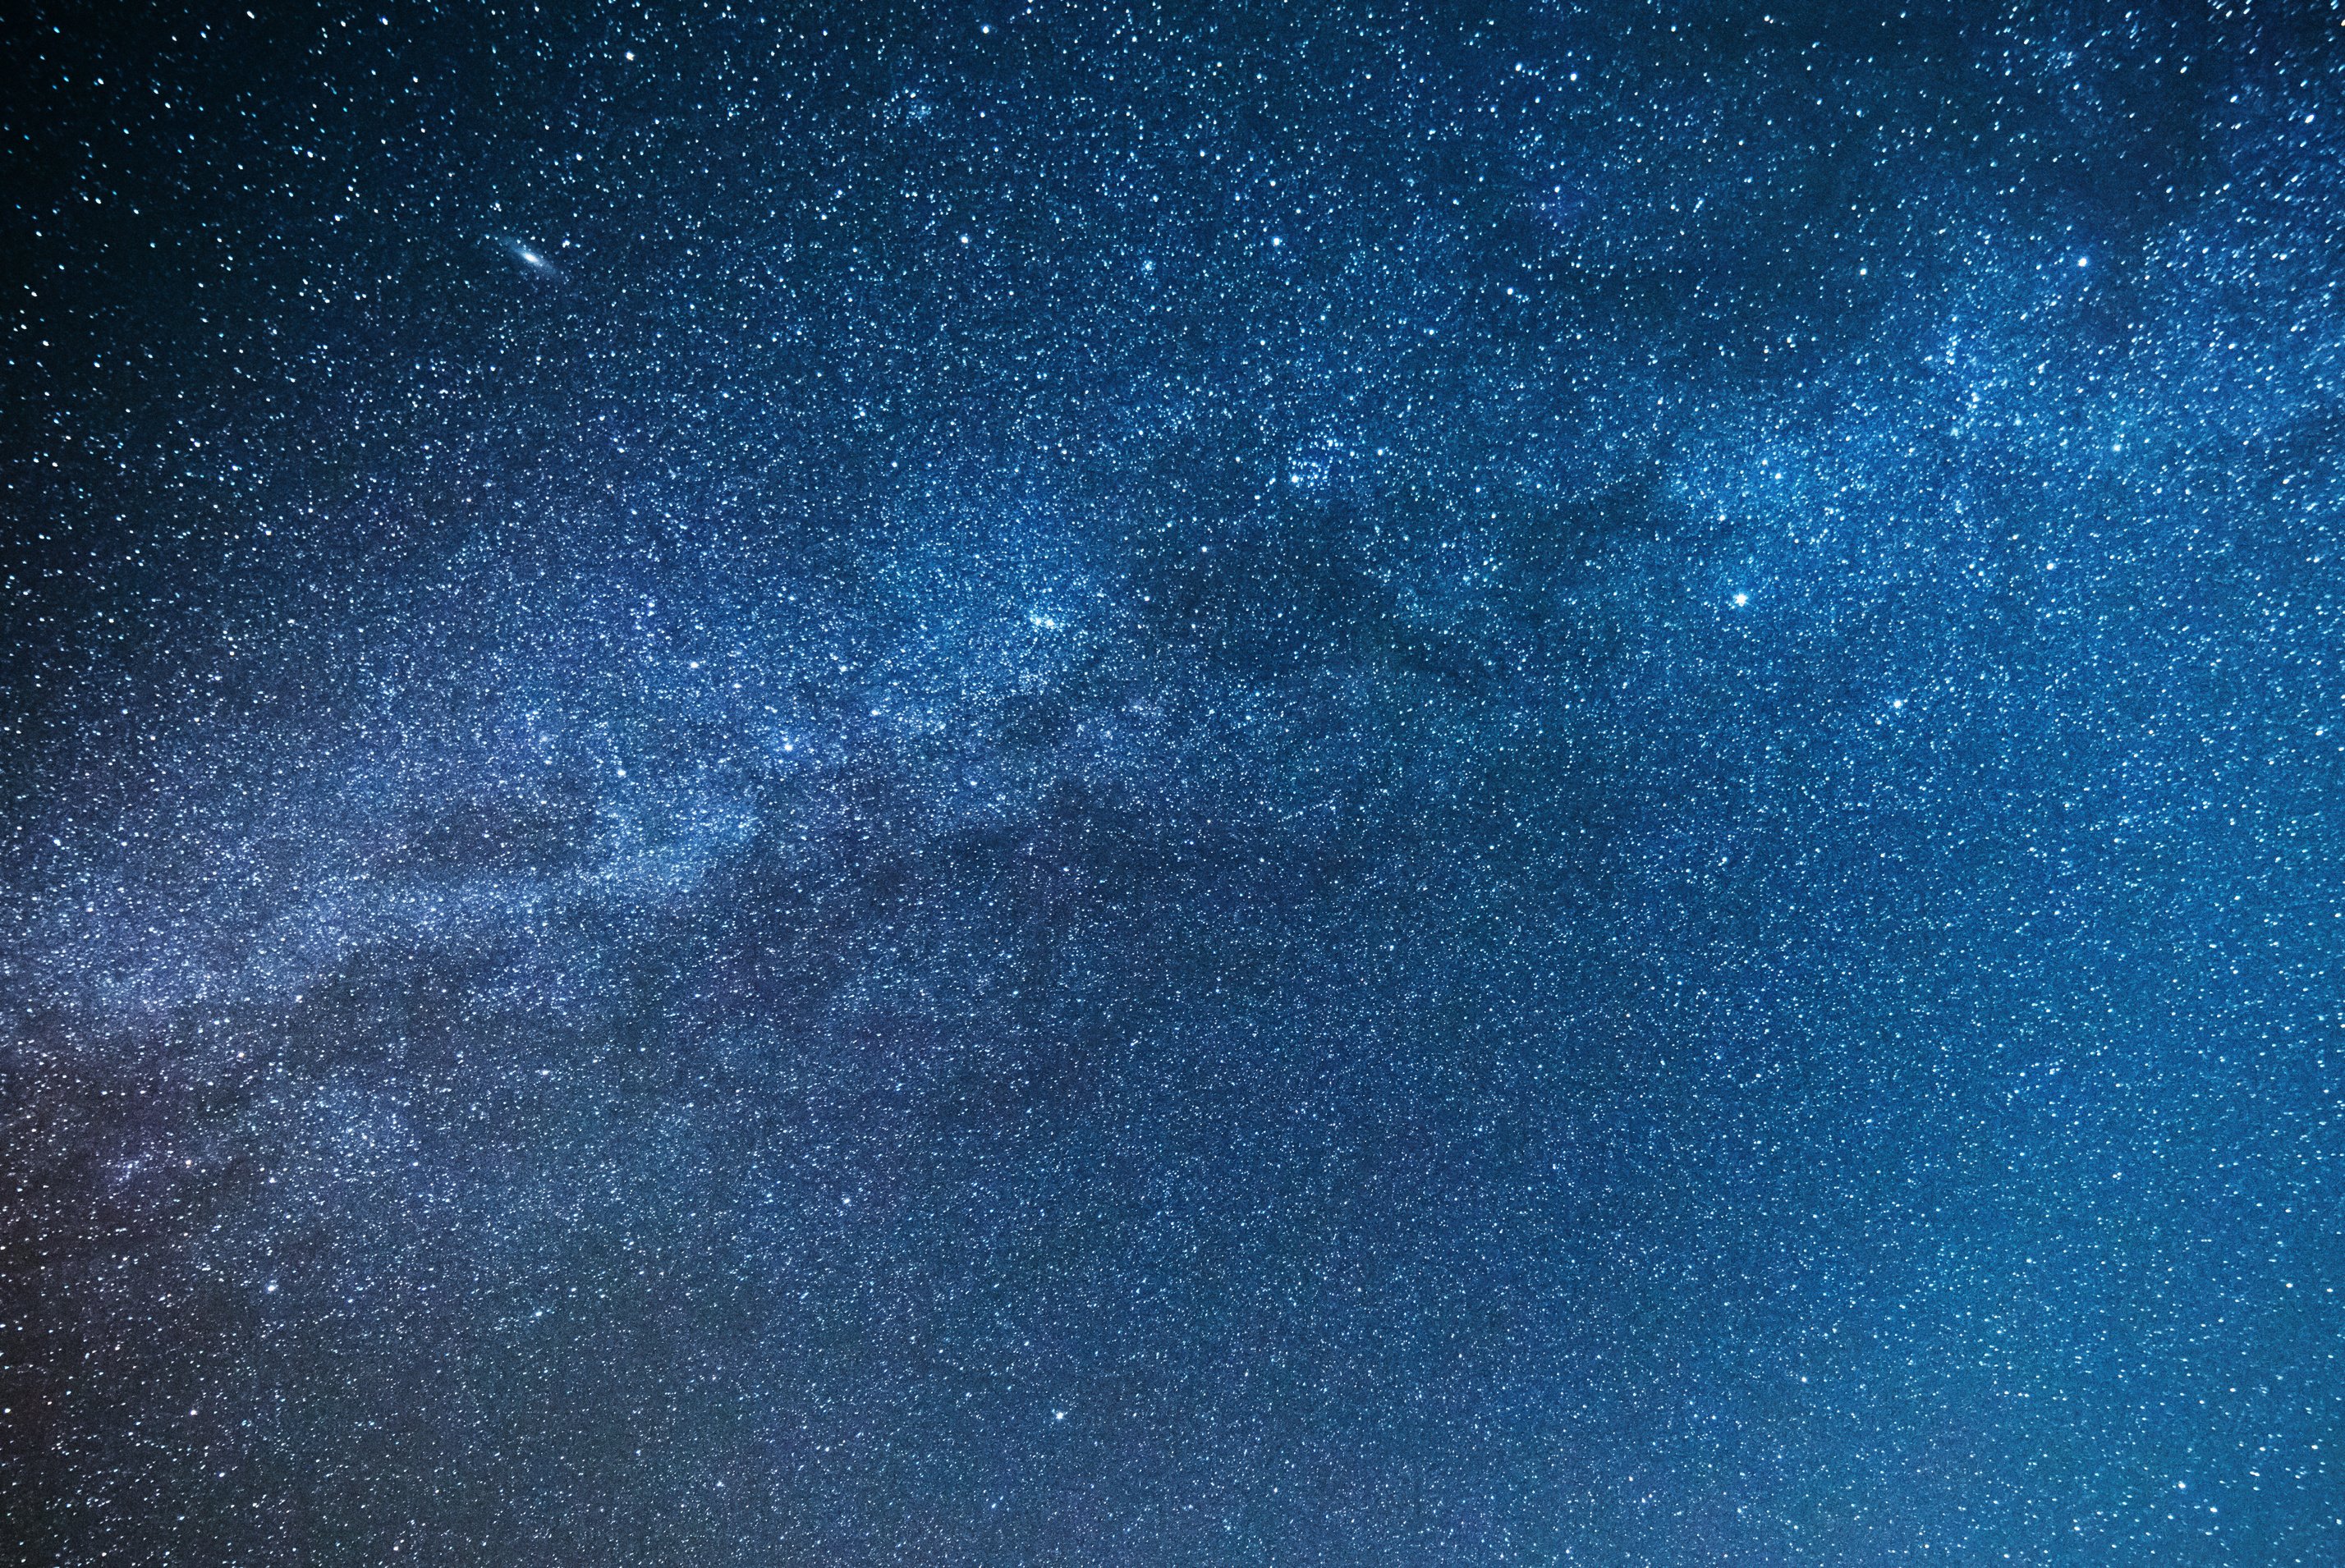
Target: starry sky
<point>1373,784</point>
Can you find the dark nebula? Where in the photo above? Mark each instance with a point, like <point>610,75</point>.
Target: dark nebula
<point>1356,783</point>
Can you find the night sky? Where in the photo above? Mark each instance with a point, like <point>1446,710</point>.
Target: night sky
<point>1127,785</point>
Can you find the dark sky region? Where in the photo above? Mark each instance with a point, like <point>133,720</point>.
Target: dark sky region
<point>1135,785</point>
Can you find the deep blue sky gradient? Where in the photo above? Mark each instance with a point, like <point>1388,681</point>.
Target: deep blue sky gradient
<point>1355,785</point>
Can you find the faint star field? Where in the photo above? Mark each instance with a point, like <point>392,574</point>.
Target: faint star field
<point>1364,783</point>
